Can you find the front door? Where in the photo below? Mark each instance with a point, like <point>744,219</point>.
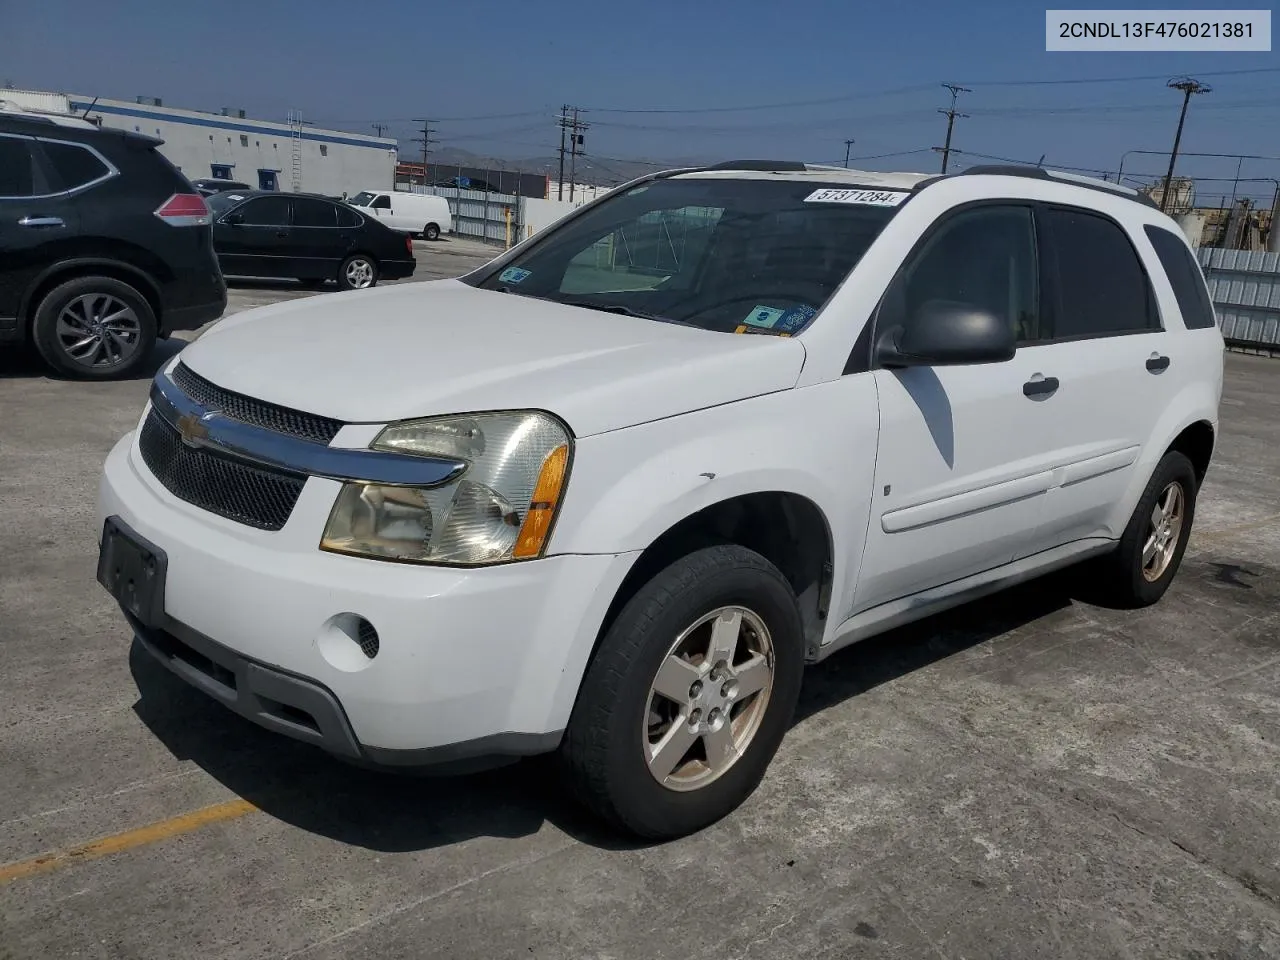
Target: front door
<point>253,240</point>
<point>959,468</point>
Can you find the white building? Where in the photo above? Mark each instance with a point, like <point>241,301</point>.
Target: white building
<point>228,145</point>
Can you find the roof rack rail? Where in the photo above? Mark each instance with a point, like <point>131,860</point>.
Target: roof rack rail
<point>1040,173</point>
<point>759,165</point>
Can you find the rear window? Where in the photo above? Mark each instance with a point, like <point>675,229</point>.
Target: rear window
<point>17,177</point>
<point>73,165</point>
<point>348,217</point>
<point>1185,278</point>
<point>734,255</point>
<point>1102,287</point>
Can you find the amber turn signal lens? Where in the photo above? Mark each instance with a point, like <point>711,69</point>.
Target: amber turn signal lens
<point>542,509</point>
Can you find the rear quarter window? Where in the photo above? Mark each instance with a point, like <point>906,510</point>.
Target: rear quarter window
<point>1185,278</point>
<point>72,165</point>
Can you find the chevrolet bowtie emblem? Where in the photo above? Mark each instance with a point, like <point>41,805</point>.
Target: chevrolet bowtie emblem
<point>194,430</point>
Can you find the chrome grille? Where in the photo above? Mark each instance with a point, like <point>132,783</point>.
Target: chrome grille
<point>230,488</point>
<point>294,423</point>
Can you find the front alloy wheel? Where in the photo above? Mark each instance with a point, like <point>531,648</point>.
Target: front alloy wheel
<point>708,698</point>
<point>689,694</point>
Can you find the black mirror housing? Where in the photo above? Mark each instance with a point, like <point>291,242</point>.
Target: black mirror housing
<point>234,219</point>
<point>947,333</point>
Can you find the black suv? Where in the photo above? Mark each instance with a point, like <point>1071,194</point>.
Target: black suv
<point>104,246</point>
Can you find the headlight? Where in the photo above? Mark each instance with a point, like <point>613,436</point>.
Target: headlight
<point>500,508</point>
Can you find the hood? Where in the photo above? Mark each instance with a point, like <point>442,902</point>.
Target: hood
<point>441,347</point>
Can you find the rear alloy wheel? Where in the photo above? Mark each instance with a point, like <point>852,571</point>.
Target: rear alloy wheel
<point>1141,568</point>
<point>430,232</point>
<point>358,272</point>
<point>689,695</point>
<point>94,328</point>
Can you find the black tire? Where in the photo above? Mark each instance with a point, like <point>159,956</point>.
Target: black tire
<point>86,302</point>
<point>601,753</point>
<point>431,232</point>
<point>345,280</point>
<point>1122,580</point>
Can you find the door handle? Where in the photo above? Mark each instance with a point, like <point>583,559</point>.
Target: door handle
<point>41,222</point>
<point>1040,387</point>
<point>282,234</point>
<point>1157,363</point>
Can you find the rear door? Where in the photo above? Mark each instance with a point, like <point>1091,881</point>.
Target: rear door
<point>255,239</point>
<point>318,244</point>
<point>1106,352</point>
<point>36,219</point>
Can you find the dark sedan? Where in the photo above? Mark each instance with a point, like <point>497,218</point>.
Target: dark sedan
<point>305,237</point>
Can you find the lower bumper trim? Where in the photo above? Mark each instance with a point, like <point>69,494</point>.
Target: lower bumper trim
<point>303,709</point>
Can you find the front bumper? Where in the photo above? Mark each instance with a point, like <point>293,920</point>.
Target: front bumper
<point>471,662</point>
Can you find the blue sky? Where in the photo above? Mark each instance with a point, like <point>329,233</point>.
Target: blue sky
<point>494,74</point>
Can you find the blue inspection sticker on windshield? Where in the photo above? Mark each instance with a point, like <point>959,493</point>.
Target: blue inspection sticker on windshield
<point>761,316</point>
<point>514,275</point>
<point>795,318</point>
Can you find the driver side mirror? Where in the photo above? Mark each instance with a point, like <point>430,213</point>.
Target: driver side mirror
<point>947,333</point>
<point>234,219</point>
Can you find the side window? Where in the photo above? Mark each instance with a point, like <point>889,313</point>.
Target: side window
<point>17,171</point>
<point>984,257</point>
<point>1185,278</point>
<point>308,212</point>
<point>73,166</point>
<point>266,212</point>
<point>347,217</point>
<point>1102,287</point>
<point>381,203</point>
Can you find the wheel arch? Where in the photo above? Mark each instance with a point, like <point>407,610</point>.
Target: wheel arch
<point>65,270</point>
<point>788,529</point>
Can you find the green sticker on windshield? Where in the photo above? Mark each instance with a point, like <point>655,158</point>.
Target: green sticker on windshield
<point>762,316</point>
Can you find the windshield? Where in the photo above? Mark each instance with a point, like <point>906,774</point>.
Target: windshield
<point>220,203</point>
<point>361,199</point>
<point>726,254</point>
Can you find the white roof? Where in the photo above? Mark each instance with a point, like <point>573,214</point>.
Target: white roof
<point>62,119</point>
<point>813,172</point>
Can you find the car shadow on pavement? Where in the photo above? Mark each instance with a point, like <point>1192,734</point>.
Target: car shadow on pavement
<point>23,364</point>
<point>398,812</point>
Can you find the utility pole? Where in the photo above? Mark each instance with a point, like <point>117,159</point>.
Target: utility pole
<point>426,141</point>
<point>847,145</point>
<point>951,115</point>
<point>1188,87</point>
<point>575,141</point>
<point>573,125</point>
<point>564,122</point>
<point>378,128</point>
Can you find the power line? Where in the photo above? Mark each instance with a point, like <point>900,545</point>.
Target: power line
<point>1129,79</point>
<point>951,115</point>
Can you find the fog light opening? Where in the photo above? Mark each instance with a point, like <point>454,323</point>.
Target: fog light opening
<point>348,642</point>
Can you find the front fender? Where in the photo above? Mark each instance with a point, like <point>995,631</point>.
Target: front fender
<point>628,487</point>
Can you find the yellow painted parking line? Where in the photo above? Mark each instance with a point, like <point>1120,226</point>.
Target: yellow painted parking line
<point>128,840</point>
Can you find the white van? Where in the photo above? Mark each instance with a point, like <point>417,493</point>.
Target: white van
<point>418,213</point>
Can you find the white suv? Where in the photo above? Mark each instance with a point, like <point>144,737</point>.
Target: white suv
<point>607,495</point>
